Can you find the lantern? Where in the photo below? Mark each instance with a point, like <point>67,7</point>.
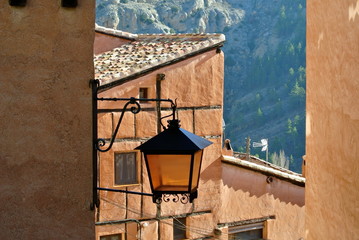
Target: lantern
<point>173,160</point>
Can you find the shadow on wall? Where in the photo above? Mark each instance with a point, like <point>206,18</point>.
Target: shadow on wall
<point>256,183</point>
<point>212,172</point>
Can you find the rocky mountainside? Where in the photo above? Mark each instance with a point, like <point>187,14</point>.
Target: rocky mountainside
<point>171,16</point>
<point>264,60</point>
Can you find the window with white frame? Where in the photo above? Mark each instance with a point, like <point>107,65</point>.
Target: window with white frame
<point>126,166</point>
<point>246,232</point>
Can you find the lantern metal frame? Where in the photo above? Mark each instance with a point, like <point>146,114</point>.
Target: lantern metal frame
<point>100,145</point>
<point>175,141</point>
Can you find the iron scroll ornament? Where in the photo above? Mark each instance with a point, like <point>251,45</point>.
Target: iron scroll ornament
<point>183,198</point>
<point>135,108</point>
<point>99,144</point>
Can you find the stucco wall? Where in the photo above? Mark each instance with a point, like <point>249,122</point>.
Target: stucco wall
<point>46,62</point>
<point>247,195</point>
<point>105,42</point>
<point>332,120</point>
<point>200,111</point>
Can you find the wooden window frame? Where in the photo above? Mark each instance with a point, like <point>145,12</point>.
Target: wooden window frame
<point>138,168</point>
<point>121,235</point>
<point>180,221</point>
<point>146,91</point>
<point>247,228</point>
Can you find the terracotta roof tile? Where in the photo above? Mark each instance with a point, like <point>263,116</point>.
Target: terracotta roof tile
<point>149,51</point>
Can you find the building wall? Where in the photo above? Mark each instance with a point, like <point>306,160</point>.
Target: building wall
<point>246,195</point>
<point>105,42</point>
<point>200,112</point>
<point>332,151</point>
<point>46,62</point>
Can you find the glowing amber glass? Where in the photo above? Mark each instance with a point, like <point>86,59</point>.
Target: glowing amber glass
<point>169,172</point>
<point>196,169</point>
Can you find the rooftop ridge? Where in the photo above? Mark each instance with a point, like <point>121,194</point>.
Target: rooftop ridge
<point>260,161</point>
<point>115,32</point>
<point>151,51</point>
<point>266,169</point>
<point>169,35</point>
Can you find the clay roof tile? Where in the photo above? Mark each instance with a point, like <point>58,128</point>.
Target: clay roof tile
<point>150,51</point>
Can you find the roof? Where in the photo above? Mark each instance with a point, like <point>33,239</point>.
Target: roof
<point>115,33</point>
<point>266,168</point>
<point>256,160</point>
<point>150,52</point>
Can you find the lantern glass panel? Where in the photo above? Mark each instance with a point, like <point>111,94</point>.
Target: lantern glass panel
<point>169,172</point>
<point>196,169</point>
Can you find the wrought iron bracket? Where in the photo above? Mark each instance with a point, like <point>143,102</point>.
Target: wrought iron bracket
<point>158,197</point>
<point>133,104</point>
<point>184,198</point>
<point>99,144</point>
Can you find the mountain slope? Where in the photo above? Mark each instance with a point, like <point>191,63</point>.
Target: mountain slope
<point>264,60</point>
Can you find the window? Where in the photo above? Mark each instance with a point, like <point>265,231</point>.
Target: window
<point>179,228</point>
<point>126,168</point>
<point>246,232</point>
<point>112,237</point>
<point>143,93</point>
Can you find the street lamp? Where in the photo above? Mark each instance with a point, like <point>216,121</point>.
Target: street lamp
<point>173,157</point>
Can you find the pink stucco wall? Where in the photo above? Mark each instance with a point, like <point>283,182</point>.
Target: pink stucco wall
<point>332,120</point>
<point>105,42</point>
<point>187,82</point>
<point>226,193</point>
<point>46,62</point>
<point>246,194</point>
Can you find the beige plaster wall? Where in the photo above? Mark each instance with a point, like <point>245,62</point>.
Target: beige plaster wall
<point>247,195</point>
<point>46,62</point>
<point>332,150</point>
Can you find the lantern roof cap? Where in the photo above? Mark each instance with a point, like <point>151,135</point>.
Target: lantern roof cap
<point>174,139</point>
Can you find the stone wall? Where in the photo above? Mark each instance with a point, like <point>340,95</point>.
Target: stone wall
<point>332,120</point>
<point>46,62</point>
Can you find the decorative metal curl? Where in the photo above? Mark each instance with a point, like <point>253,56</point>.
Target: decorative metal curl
<point>134,109</point>
<point>101,142</point>
<point>183,198</point>
<point>173,114</point>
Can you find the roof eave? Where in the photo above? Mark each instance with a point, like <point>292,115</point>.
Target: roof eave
<point>116,33</point>
<point>292,178</point>
<point>120,81</point>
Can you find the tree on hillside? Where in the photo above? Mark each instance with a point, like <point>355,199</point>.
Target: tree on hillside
<point>280,160</point>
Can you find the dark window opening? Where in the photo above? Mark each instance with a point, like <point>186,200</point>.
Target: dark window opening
<point>179,228</point>
<point>143,93</point>
<point>125,168</point>
<point>246,232</point>
<point>17,3</point>
<point>112,237</point>
<point>69,3</point>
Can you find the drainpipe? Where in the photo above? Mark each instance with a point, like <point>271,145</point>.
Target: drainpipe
<point>160,77</point>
